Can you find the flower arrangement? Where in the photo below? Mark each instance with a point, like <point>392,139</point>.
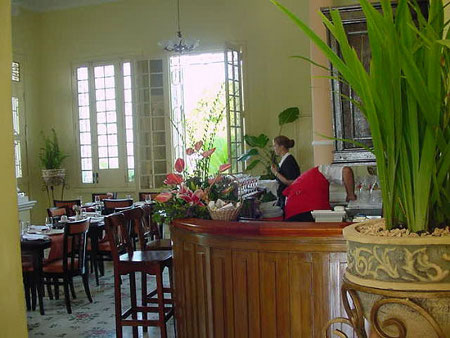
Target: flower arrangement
<point>188,192</point>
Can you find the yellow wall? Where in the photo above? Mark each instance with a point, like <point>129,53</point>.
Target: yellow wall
<point>273,81</point>
<point>12,318</point>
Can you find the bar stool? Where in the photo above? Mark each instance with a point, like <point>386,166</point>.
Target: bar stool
<point>146,262</point>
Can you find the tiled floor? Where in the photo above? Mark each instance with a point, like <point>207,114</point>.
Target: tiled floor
<point>88,319</point>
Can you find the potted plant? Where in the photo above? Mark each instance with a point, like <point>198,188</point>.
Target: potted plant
<point>51,158</point>
<point>261,152</point>
<point>401,267</point>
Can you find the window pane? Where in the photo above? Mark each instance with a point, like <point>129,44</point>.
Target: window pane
<point>110,105</point>
<point>114,163</point>
<point>98,71</point>
<point>128,109</point>
<point>83,99</point>
<point>109,70</point>
<point>82,73</point>
<point>100,94</point>
<point>129,122</point>
<point>127,82</point>
<point>100,83</point>
<point>87,177</point>
<point>130,162</point>
<point>102,140</point>
<point>113,152</point>
<point>130,136</point>
<point>111,117</point>
<point>84,112</point>
<point>110,94</point>
<point>109,82</point>
<point>86,151</point>
<point>102,151</point>
<point>83,86</point>
<point>103,163</point>
<point>112,140</point>
<point>85,125</point>
<point>126,68</point>
<point>86,164</point>
<point>101,129</point>
<point>101,106</point>
<point>130,150</point>
<point>101,118</point>
<point>85,138</point>
<point>112,128</point>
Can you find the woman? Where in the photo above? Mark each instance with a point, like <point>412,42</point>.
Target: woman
<point>288,169</point>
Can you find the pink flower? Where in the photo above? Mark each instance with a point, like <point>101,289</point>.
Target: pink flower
<point>199,193</point>
<point>224,167</point>
<point>173,179</point>
<point>209,152</point>
<point>189,151</point>
<point>163,197</point>
<point>179,165</point>
<point>198,145</point>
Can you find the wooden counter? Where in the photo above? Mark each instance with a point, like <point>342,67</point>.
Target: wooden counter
<point>256,279</point>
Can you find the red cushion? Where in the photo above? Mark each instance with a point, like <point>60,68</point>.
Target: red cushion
<point>57,266</point>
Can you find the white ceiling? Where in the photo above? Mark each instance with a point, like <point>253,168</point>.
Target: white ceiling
<point>50,5</point>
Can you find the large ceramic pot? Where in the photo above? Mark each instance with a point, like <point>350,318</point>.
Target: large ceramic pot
<point>53,176</point>
<point>404,280</point>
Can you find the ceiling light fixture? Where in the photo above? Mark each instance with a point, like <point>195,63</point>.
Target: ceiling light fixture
<point>179,44</point>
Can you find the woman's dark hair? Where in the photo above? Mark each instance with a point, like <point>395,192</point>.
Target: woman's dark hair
<point>284,141</point>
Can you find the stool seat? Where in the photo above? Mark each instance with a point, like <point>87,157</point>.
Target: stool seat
<point>146,257</point>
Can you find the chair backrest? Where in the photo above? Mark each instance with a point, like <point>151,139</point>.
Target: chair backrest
<point>134,220</point>
<point>143,194</point>
<point>68,204</point>
<point>104,195</point>
<point>56,212</point>
<point>117,232</point>
<point>150,226</point>
<point>74,248</point>
<point>111,204</point>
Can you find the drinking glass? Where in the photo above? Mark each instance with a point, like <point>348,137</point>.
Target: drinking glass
<point>24,227</point>
<point>97,200</point>
<point>49,222</point>
<point>148,198</point>
<point>128,196</point>
<point>81,199</point>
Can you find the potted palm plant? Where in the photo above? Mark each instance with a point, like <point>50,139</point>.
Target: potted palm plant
<point>401,266</point>
<point>51,158</point>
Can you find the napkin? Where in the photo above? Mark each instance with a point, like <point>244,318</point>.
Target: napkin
<point>34,237</point>
<point>38,227</point>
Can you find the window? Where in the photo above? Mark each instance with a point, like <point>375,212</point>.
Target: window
<point>121,118</point>
<point>18,117</point>
<point>104,103</point>
<point>207,105</point>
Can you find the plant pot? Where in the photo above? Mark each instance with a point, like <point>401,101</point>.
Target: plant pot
<point>53,176</point>
<point>413,271</point>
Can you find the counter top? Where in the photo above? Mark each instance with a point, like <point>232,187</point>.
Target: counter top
<point>261,228</point>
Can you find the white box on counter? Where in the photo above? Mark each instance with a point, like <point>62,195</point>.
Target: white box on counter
<point>328,215</point>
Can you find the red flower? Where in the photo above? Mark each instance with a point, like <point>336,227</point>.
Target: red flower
<point>163,197</point>
<point>179,165</point>
<point>198,145</point>
<point>224,167</point>
<point>173,179</point>
<point>189,151</point>
<point>209,152</point>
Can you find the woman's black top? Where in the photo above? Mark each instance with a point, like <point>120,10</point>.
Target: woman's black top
<point>290,170</point>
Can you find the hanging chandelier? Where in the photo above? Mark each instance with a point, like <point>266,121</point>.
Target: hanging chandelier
<point>179,44</point>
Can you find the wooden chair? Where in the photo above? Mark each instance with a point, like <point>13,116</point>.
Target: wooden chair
<point>68,204</point>
<point>146,262</point>
<point>104,195</point>
<point>143,194</point>
<point>150,235</point>
<point>111,204</point>
<point>73,262</point>
<point>56,213</point>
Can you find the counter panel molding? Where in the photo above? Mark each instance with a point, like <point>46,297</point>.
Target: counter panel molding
<point>266,280</point>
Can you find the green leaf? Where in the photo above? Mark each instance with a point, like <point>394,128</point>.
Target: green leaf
<point>249,154</point>
<point>252,165</point>
<point>256,141</point>
<point>288,115</point>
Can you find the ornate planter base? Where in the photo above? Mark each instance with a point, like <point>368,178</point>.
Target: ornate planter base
<point>395,313</point>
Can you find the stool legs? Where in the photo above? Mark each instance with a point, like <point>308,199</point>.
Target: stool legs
<point>133,302</point>
<point>118,303</point>
<point>161,311</point>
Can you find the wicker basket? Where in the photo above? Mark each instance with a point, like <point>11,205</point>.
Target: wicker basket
<point>225,215</point>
